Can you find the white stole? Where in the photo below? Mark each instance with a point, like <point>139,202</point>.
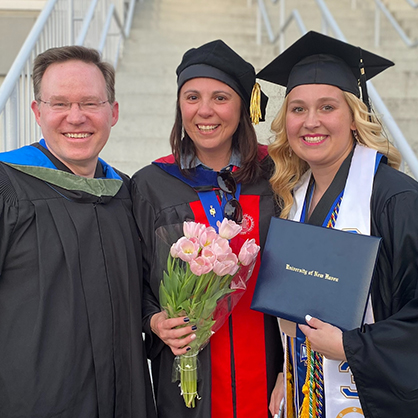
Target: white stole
<point>341,397</point>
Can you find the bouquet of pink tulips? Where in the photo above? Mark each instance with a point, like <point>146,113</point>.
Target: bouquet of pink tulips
<point>201,271</point>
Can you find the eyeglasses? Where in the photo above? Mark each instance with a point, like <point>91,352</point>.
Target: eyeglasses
<point>232,209</point>
<point>90,106</point>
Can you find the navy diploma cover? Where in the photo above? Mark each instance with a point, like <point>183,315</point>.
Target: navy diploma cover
<point>313,270</point>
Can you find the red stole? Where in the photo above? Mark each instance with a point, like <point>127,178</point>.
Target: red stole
<point>248,338</point>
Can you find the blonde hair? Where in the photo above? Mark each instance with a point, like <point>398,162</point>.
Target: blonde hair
<point>289,168</point>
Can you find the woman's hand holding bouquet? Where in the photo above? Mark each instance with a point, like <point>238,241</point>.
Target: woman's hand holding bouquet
<point>202,271</point>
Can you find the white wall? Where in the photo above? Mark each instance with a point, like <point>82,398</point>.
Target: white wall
<point>16,20</point>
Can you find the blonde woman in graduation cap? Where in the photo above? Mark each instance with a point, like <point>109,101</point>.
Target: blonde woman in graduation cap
<point>335,168</point>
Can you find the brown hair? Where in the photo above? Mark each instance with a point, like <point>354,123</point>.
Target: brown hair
<point>244,141</point>
<point>68,53</point>
<point>289,168</point>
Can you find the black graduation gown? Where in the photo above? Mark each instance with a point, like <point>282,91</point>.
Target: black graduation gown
<point>70,302</point>
<point>161,200</point>
<point>383,356</point>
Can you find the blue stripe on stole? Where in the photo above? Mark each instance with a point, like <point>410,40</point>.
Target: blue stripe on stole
<point>299,353</point>
<point>203,177</point>
<point>211,207</point>
<point>213,210</point>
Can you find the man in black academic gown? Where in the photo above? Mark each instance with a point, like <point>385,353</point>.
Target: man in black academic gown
<point>70,261</point>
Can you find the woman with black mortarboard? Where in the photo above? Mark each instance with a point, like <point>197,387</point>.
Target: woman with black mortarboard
<point>335,168</point>
<point>216,162</point>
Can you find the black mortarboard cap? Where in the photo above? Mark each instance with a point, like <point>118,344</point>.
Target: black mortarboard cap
<point>320,59</point>
<point>217,60</point>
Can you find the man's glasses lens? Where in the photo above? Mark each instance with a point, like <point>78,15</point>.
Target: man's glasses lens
<point>232,209</point>
<point>91,106</point>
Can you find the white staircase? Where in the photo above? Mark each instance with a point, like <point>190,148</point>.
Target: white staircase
<point>164,29</point>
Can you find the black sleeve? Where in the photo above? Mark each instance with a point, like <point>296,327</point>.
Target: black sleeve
<point>145,219</point>
<point>383,356</point>
<point>8,214</point>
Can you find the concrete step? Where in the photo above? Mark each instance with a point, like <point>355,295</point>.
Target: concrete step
<point>398,6</point>
<point>217,29</point>
<point>403,107</point>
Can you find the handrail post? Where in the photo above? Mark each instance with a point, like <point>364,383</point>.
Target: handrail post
<point>13,75</point>
<point>86,22</point>
<point>71,22</point>
<point>56,25</point>
<point>129,18</point>
<point>400,141</point>
<point>263,11</point>
<point>106,27</point>
<point>12,125</point>
<point>412,4</point>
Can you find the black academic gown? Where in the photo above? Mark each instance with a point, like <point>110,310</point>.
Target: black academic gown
<point>161,201</point>
<point>384,356</point>
<point>70,302</point>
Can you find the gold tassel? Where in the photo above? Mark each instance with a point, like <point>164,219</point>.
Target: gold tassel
<point>289,395</point>
<point>306,412</point>
<point>289,387</point>
<point>255,104</point>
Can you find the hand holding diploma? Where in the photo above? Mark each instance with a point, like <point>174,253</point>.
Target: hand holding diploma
<point>325,338</point>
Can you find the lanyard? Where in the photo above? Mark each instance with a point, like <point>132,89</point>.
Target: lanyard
<point>213,209</point>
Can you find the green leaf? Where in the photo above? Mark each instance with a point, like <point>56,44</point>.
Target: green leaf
<point>187,287</point>
<point>168,282</point>
<point>185,305</point>
<point>209,307</point>
<point>163,295</point>
<point>201,288</point>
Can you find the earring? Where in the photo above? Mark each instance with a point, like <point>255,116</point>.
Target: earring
<point>290,152</point>
<point>355,135</point>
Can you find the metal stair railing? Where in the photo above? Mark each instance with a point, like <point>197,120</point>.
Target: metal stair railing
<point>263,17</point>
<point>381,8</point>
<point>328,22</point>
<point>412,4</point>
<point>96,24</point>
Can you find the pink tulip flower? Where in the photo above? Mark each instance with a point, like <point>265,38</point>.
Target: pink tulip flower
<point>208,254</point>
<point>186,249</point>
<point>200,265</point>
<point>248,252</point>
<point>174,250</point>
<point>220,247</point>
<point>228,265</point>
<point>207,236</point>
<point>228,229</point>
<point>193,229</point>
